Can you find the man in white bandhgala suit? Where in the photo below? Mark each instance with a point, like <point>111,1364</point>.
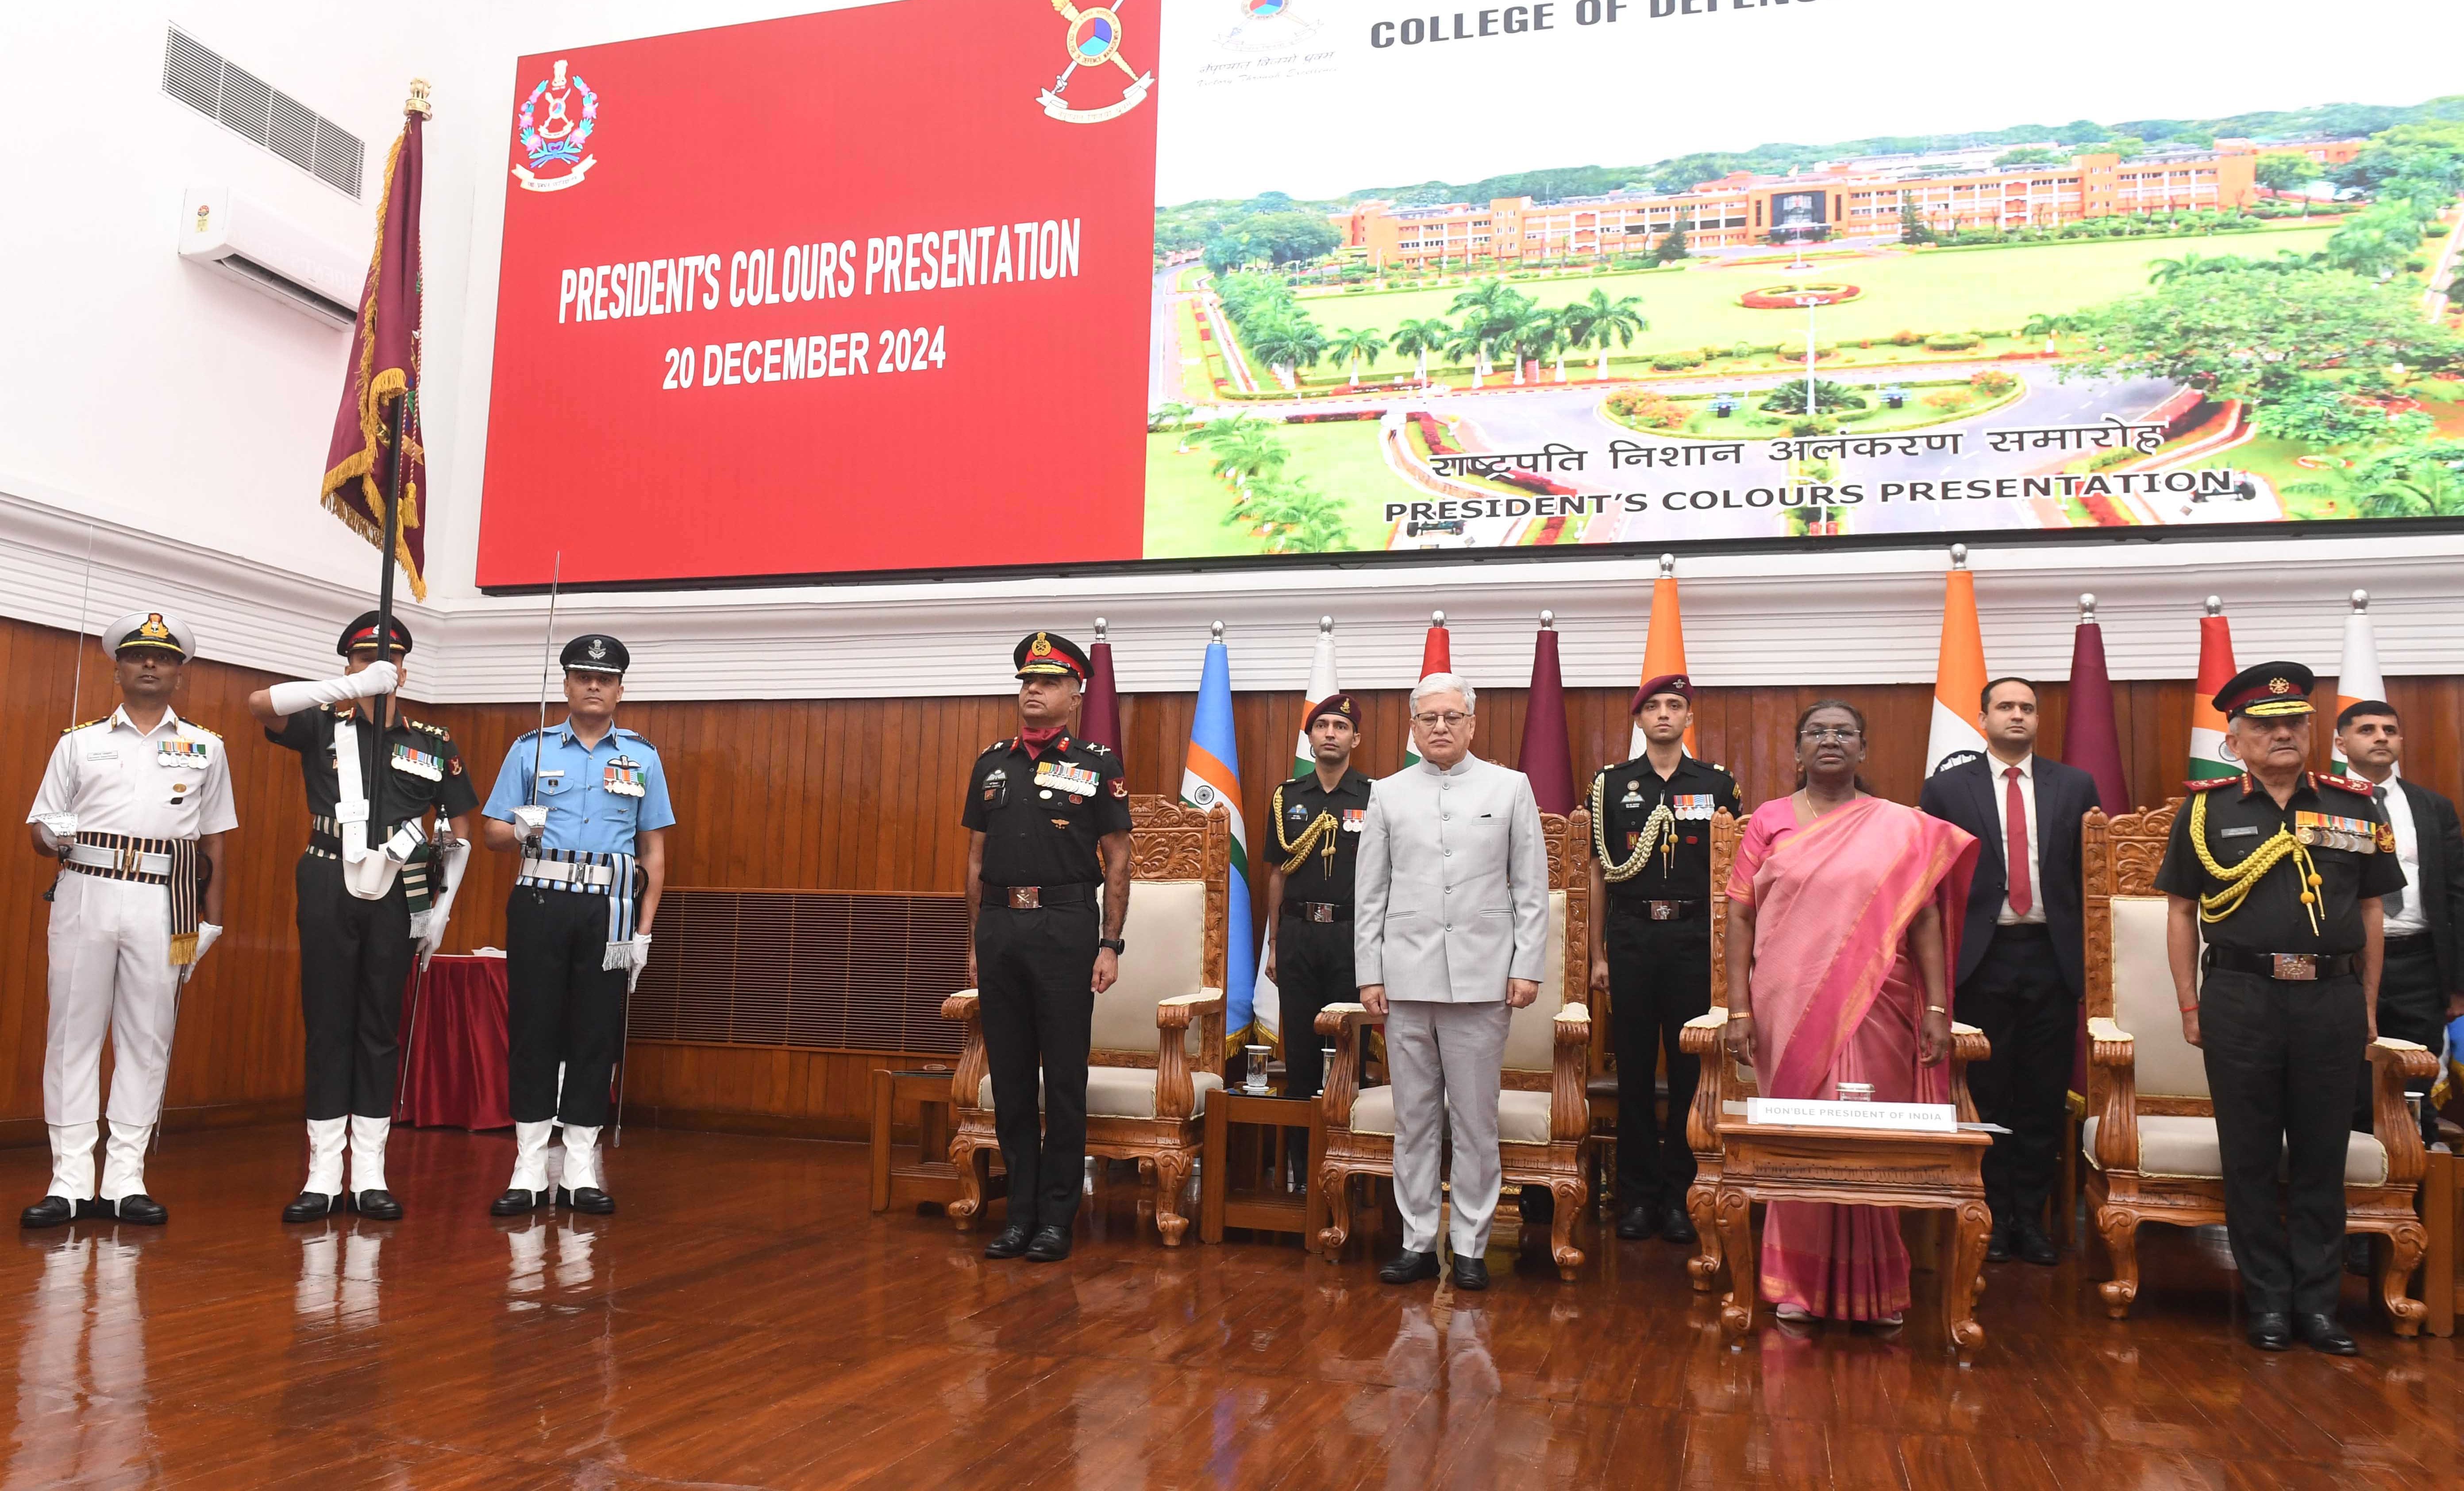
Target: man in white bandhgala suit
<point>1450,927</point>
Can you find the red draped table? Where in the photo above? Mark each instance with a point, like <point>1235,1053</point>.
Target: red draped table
<point>453,1045</point>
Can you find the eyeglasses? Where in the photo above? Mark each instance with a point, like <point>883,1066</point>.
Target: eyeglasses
<point>1449,719</point>
<point>1825,734</point>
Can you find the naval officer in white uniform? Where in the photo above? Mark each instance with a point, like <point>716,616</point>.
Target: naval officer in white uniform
<point>1450,929</point>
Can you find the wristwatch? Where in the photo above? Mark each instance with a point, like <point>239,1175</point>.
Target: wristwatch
<point>1117,946</point>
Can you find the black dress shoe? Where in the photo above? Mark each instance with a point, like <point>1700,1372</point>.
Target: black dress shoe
<point>1051,1245</point>
<point>1678,1227</point>
<point>2034,1245</point>
<point>52,1211</point>
<point>137,1211</point>
<point>1637,1221</point>
<point>2321,1334</point>
<point>310,1206</point>
<point>589,1200</point>
<point>1011,1242</point>
<point>2271,1331</point>
<point>1470,1273</point>
<point>1997,1243</point>
<point>1537,1206</point>
<point>377,1206</point>
<point>516,1201</point>
<point>1409,1268</point>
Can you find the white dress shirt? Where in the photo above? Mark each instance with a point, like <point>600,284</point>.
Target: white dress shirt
<point>2407,922</point>
<point>2035,915</point>
<point>120,779</point>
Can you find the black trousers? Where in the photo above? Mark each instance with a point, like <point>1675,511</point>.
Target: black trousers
<point>354,958</point>
<point>2274,1049</point>
<point>560,1006</point>
<point>1035,975</point>
<point>2412,1006</point>
<point>1312,970</point>
<point>1659,977</point>
<point>2018,998</point>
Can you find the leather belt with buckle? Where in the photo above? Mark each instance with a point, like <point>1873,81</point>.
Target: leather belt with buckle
<point>1319,910</point>
<point>2284,967</point>
<point>1663,911</point>
<point>1028,898</point>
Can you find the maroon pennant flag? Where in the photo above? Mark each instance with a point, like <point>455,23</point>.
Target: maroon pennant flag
<point>1099,717</point>
<point>1545,757</point>
<point>384,367</point>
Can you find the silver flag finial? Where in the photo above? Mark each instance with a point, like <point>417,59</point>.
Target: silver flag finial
<point>1959,555</point>
<point>2087,608</point>
<point>2361,600</point>
<point>1216,630</point>
<point>1547,620</point>
<point>1325,624</point>
<point>1437,618</point>
<point>1100,625</point>
<point>1667,566</point>
<point>2215,605</point>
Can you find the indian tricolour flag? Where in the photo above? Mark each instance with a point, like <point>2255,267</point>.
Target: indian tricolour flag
<point>1663,645</point>
<point>1212,778</point>
<point>2358,677</point>
<point>1436,657</point>
<point>1958,677</point>
<point>1322,686</point>
<point>2208,755</point>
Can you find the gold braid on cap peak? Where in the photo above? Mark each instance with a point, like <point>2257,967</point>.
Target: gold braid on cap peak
<point>1319,835</point>
<point>1658,832</point>
<point>2239,879</point>
<point>2276,709</point>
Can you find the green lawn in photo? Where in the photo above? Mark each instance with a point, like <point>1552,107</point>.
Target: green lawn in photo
<point>1185,505</point>
<point>1750,420</point>
<point>1926,290</point>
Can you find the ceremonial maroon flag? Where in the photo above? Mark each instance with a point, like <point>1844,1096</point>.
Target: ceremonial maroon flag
<point>385,368</point>
<point>1099,715</point>
<point>1545,755</point>
<point>2090,739</point>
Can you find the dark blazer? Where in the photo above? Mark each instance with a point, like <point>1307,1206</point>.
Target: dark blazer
<point>1963,795</point>
<point>2442,875</point>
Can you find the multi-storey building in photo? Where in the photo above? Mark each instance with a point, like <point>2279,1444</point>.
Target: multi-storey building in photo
<point>1865,198</point>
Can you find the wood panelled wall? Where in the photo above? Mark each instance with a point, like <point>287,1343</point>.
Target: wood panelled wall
<point>861,795</point>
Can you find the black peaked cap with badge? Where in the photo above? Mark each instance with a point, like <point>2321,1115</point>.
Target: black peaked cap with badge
<point>595,652</point>
<point>2267,690</point>
<point>1045,654</point>
<point>363,633</point>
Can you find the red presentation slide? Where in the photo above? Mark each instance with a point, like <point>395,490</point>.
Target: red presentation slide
<point>849,292</point>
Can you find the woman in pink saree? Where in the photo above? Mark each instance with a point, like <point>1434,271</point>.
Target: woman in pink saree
<point>1844,908</point>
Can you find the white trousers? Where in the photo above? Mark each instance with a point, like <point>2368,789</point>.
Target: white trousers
<point>110,970</point>
<point>1446,1060</point>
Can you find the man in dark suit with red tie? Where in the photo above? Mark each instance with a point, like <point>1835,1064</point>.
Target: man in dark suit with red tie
<point>2020,954</point>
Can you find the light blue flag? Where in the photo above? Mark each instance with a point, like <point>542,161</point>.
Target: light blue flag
<point>1212,775</point>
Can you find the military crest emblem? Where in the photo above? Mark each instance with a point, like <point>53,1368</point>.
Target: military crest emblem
<point>1092,41</point>
<point>553,126</point>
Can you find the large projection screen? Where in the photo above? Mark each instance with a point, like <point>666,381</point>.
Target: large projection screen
<point>929,286</point>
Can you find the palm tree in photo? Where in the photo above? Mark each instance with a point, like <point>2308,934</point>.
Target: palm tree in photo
<point>1292,516</point>
<point>1531,338</point>
<point>2049,326</point>
<point>1597,319</point>
<point>1174,417</point>
<point>2164,271</point>
<point>1489,304</point>
<point>1245,449</point>
<point>1352,348</point>
<point>1416,339</point>
<point>1467,344</point>
<point>1288,344</point>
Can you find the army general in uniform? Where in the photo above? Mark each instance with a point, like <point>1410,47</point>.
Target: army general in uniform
<point>1048,818</point>
<point>2280,871</point>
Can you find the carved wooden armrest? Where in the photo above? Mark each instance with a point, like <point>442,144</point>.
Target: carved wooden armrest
<point>1701,1035</point>
<point>1175,1013</point>
<point>1344,1020</point>
<point>1570,1108</point>
<point>1176,1094</point>
<point>2392,1063</point>
<point>2117,1135</point>
<point>1572,1025</point>
<point>968,1076</point>
<point>1968,1043</point>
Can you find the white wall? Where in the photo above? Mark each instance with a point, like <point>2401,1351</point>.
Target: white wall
<point>186,420</point>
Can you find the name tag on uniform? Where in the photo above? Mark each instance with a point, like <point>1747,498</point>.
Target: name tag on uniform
<point>412,761</point>
<point>1076,780</point>
<point>1691,804</point>
<point>2327,831</point>
<point>182,753</point>
<point>623,777</point>
<point>106,754</point>
<point>1354,819</point>
<point>2245,831</point>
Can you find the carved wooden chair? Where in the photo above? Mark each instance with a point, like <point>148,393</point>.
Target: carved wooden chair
<point>1543,1120</point>
<point>1727,1083</point>
<point>2150,1134</point>
<point>1158,1034</point>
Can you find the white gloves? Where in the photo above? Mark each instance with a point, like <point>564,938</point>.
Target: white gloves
<point>632,956</point>
<point>530,821</point>
<point>369,682</point>
<point>59,829</point>
<point>428,926</point>
<point>206,936</point>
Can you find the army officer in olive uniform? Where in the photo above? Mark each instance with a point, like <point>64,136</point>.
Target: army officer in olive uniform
<point>2280,871</point>
<point>1048,818</point>
<point>1308,893</point>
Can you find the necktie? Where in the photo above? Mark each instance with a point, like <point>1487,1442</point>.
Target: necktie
<point>2014,842</point>
<point>2393,900</point>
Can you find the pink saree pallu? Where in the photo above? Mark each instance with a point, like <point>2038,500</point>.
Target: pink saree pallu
<point>1836,997</point>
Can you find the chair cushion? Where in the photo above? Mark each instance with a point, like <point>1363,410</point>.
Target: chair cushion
<point>2184,1147</point>
<point>1531,1036</point>
<point>1522,1117</point>
<point>2168,1066</point>
<point>1166,933</point>
<point>1117,1092</point>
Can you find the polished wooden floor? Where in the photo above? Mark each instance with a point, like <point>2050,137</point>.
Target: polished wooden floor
<point>746,1322</point>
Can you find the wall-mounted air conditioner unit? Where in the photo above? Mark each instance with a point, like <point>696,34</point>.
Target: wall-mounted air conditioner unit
<point>231,235</point>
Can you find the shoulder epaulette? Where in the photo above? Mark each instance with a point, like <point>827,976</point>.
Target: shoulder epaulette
<point>1002,744</point>
<point>1097,746</point>
<point>210,734</point>
<point>637,738</point>
<point>83,723</point>
<point>438,731</point>
<point>2353,785</point>
<point>2207,784</point>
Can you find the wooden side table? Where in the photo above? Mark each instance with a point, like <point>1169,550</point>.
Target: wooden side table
<point>1271,1210</point>
<point>929,1176</point>
<point>1855,1166</point>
